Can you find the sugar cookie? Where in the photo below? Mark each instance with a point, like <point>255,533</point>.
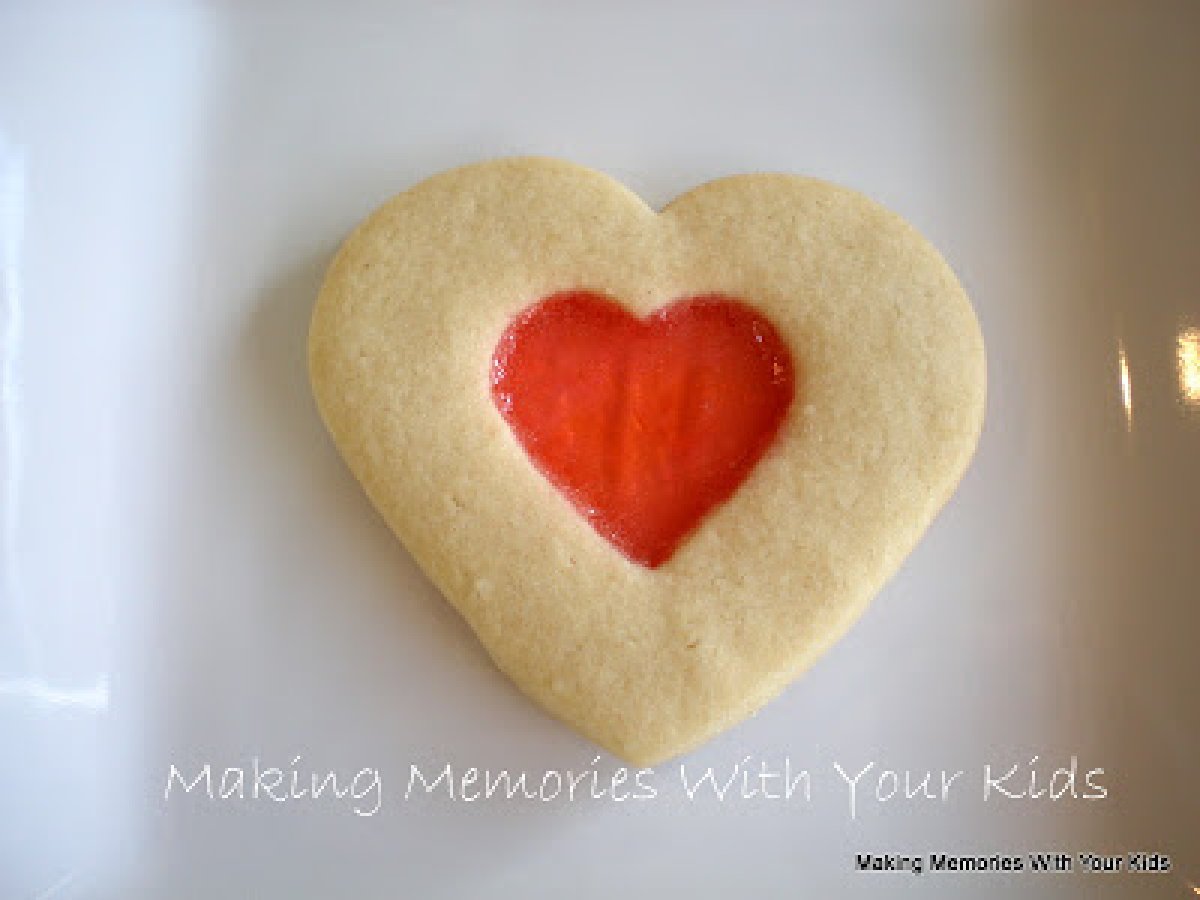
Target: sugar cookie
<point>659,461</point>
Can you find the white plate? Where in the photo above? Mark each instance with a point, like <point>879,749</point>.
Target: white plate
<point>190,576</point>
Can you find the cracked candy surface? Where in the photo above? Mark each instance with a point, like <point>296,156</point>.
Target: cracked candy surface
<point>646,424</point>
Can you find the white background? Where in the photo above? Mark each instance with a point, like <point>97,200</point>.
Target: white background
<point>190,575</point>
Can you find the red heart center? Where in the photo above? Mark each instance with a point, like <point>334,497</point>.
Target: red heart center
<point>644,424</point>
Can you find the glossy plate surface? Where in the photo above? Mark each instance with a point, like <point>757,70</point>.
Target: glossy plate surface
<point>189,576</point>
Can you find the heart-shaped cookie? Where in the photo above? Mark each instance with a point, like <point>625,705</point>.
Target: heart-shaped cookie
<point>658,461</point>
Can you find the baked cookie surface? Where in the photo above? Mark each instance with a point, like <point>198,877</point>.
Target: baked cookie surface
<point>649,657</point>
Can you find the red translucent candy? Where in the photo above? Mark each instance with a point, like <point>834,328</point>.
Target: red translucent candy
<point>644,424</point>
